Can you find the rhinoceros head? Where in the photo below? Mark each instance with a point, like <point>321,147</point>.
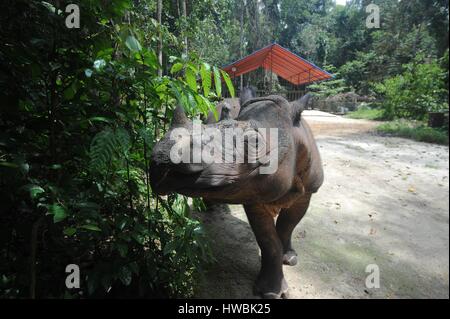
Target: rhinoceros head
<point>234,161</point>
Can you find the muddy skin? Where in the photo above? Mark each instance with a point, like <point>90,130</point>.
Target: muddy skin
<point>285,193</point>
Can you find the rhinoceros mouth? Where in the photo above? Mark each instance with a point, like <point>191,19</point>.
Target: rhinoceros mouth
<point>201,183</point>
<point>170,181</point>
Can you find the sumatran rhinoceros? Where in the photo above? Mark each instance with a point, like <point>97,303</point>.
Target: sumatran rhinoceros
<point>279,170</point>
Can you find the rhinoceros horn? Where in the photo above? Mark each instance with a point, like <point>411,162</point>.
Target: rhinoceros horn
<point>179,117</point>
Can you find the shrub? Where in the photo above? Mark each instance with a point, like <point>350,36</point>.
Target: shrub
<point>82,110</point>
<point>414,130</point>
<point>367,113</point>
<point>417,91</point>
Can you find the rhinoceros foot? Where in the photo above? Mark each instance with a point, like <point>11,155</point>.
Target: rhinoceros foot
<point>264,291</point>
<point>290,258</point>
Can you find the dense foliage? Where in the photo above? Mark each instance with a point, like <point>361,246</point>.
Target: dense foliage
<point>81,109</point>
<point>412,41</point>
<point>415,92</point>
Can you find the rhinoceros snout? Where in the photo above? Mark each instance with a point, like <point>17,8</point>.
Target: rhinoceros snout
<point>158,174</point>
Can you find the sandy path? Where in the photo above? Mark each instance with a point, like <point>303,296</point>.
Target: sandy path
<point>384,201</point>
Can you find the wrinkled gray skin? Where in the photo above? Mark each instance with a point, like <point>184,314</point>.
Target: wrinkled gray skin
<point>285,194</point>
<point>227,112</point>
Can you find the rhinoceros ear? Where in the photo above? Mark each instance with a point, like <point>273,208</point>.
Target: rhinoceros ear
<point>179,117</point>
<point>225,113</point>
<point>248,93</point>
<point>298,106</point>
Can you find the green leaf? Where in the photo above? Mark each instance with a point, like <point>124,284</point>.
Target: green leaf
<point>191,79</point>
<point>70,92</point>
<point>103,148</point>
<point>121,223</point>
<point>50,7</point>
<point>123,140</point>
<point>217,81</point>
<point>150,59</point>
<point>133,44</point>
<point>34,190</point>
<point>120,6</point>
<point>205,73</point>
<point>9,164</point>
<point>169,248</point>
<point>201,105</point>
<point>212,108</point>
<point>91,227</point>
<point>228,82</point>
<point>70,231</point>
<point>176,90</point>
<point>100,119</point>
<point>58,212</point>
<point>176,68</point>
<point>138,238</point>
<point>191,101</point>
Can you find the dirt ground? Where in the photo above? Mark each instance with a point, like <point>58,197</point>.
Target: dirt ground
<point>384,201</point>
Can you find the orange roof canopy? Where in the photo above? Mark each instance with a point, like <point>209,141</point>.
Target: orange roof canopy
<point>280,61</point>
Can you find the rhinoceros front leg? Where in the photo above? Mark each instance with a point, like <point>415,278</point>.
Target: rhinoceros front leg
<point>270,282</point>
<point>286,222</point>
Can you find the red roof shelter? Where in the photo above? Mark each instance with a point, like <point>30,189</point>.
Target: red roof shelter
<point>280,61</point>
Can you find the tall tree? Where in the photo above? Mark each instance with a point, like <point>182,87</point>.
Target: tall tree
<point>184,12</point>
<point>160,41</point>
<point>241,38</point>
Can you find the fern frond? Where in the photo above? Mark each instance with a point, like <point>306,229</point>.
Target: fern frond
<point>108,145</point>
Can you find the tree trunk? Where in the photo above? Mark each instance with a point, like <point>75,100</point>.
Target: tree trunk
<point>257,46</point>
<point>177,7</point>
<point>417,39</point>
<point>160,47</point>
<point>241,39</point>
<point>184,11</point>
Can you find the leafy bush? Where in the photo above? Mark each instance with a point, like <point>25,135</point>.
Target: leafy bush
<point>367,113</point>
<point>356,72</point>
<point>417,91</point>
<point>414,130</point>
<point>328,88</point>
<point>82,110</point>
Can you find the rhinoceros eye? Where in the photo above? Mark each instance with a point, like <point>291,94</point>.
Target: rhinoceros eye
<point>251,140</point>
